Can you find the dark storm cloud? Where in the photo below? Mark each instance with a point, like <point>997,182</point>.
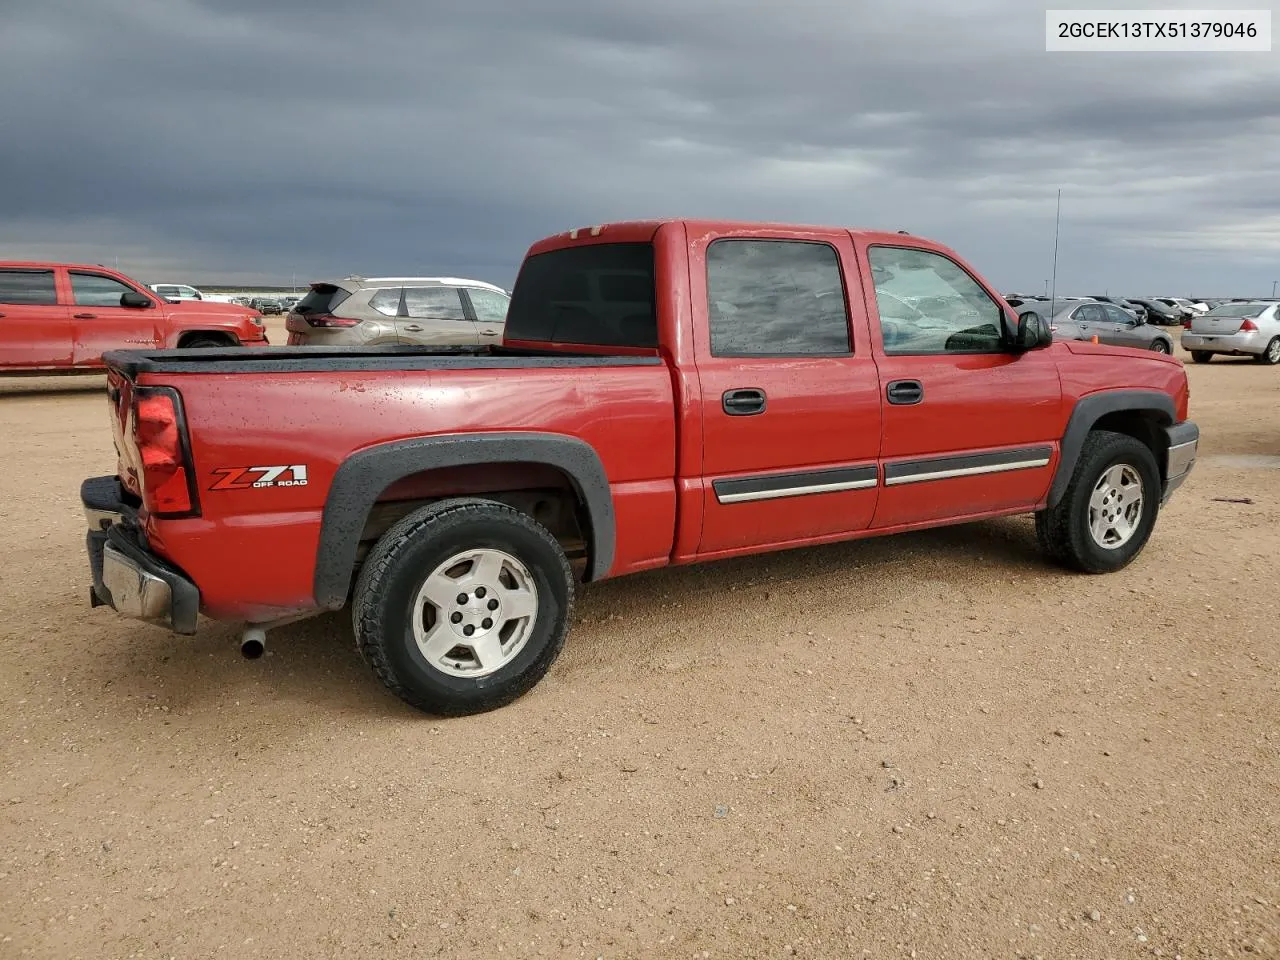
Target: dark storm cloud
<point>211,140</point>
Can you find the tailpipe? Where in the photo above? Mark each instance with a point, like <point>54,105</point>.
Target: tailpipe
<point>253,643</point>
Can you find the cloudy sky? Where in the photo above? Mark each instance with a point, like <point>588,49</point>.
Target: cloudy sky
<point>256,140</point>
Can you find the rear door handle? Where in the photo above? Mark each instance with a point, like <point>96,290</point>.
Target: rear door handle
<point>489,333</point>
<point>413,328</point>
<point>85,316</point>
<point>904,392</point>
<point>743,402</point>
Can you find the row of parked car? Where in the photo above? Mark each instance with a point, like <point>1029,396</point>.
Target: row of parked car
<point>62,316</point>
<point>1236,327</point>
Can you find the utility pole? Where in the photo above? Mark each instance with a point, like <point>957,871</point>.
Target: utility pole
<point>1053,292</point>
<point>1273,288</point>
<point>1046,288</point>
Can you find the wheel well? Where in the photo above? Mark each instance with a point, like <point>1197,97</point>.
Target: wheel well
<point>218,335</point>
<point>540,491</point>
<point>1144,425</point>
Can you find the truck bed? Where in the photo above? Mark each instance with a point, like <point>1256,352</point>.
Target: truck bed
<point>356,359</point>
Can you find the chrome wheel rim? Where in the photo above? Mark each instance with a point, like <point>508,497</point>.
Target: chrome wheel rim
<point>1159,347</point>
<point>475,613</point>
<point>1273,351</point>
<point>1115,507</point>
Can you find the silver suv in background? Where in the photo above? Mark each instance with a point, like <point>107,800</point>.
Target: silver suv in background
<point>399,311</point>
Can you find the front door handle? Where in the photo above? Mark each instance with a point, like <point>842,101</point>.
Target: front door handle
<point>85,316</point>
<point>744,402</point>
<point>904,392</point>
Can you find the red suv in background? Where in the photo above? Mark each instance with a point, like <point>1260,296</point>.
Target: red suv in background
<point>60,318</point>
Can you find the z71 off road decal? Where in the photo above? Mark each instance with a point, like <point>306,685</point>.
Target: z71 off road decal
<point>254,478</point>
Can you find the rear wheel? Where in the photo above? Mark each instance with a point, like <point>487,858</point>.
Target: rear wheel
<point>1201,356</point>
<point>1109,508</point>
<point>463,606</point>
<point>1271,355</point>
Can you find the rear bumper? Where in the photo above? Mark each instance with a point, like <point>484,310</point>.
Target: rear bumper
<point>126,576</point>
<point>1184,442</point>
<point>1250,342</point>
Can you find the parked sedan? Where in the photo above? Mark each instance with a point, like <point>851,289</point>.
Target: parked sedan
<point>1109,324</point>
<point>1159,312</point>
<point>1137,309</point>
<point>1236,329</point>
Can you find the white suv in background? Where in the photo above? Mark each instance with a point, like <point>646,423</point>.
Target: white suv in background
<point>176,291</point>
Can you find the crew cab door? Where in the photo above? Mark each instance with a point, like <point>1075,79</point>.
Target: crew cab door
<point>969,427</point>
<point>100,323</point>
<point>35,330</point>
<point>790,398</point>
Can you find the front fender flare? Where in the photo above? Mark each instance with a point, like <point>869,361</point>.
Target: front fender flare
<point>1088,411</point>
<point>362,477</point>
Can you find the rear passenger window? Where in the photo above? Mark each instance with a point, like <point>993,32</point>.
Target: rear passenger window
<point>386,302</point>
<point>433,303</point>
<point>779,298</point>
<point>28,287</point>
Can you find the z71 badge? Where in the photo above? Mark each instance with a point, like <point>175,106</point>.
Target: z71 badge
<point>255,478</point>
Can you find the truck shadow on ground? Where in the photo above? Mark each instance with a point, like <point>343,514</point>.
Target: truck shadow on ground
<point>49,387</point>
<point>313,665</point>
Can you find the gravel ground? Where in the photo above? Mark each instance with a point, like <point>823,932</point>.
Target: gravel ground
<point>924,746</point>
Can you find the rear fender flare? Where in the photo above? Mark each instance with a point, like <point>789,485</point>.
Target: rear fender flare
<point>362,477</point>
<point>1088,411</point>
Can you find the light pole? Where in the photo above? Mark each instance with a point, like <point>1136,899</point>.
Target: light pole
<point>1273,288</point>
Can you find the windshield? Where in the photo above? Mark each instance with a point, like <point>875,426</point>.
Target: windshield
<point>1237,310</point>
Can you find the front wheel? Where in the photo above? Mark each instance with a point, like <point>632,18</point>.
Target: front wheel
<point>463,606</point>
<point>1109,508</point>
<point>1160,346</point>
<point>1271,355</point>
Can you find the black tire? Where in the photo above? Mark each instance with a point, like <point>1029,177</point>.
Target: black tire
<point>203,343</point>
<point>1161,346</point>
<point>383,605</point>
<point>1201,356</point>
<point>1063,530</point>
<point>1271,355</point>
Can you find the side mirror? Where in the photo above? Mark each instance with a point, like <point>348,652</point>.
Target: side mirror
<point>1033,333</point>
<point>134,299</point>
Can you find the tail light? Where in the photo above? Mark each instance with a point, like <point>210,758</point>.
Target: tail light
<point>329,320</point>
<point>159,434</point>
<point>1248,326</point>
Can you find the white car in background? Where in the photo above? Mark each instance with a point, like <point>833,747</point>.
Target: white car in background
<point>176,291</point>
<point>1236,329</point>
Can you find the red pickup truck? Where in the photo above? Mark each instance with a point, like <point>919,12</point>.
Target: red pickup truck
<point>666,393</point>
<point>61,318</point>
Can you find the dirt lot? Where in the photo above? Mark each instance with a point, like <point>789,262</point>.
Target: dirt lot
<point>925,746</point>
